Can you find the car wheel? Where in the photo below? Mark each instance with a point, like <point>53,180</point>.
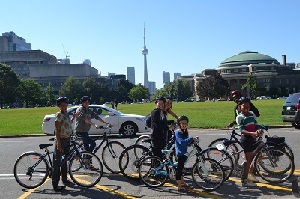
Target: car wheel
<point>129,129</point>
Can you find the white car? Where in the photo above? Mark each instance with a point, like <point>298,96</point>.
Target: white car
<point>126,124</point>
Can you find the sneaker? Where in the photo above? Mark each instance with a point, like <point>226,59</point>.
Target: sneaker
<point>248,183</point>
<point>252,178</point>
<point>67,183</point>
<point>182,190</point>
<point>59,188</point>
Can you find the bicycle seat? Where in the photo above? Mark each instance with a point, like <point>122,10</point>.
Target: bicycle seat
<point>42,146</point>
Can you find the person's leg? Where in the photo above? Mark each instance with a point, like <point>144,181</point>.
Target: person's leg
<point>179,169</point>
<point>248,157</point>
<point>64,166</point>
<point>84,137</point>
<point>91,143</point>
<point>56,166</point>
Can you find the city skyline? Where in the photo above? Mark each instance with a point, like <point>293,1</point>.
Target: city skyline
<point>183,37</point>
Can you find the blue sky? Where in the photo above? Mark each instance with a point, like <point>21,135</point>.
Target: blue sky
<point>181,36</point>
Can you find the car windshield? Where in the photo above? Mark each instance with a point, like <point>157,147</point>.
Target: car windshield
<point>293,98</point>
<point>113,110</point>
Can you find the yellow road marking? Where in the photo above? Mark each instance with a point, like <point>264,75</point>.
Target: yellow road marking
<point>113,191</point>
<point>30,191</point>
<point>201,193</point>
<point>264,185</point>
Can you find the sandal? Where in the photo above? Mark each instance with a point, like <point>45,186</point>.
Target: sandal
<point>187,186</point>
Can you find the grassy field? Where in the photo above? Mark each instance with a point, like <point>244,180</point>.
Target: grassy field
<point>201,114</point>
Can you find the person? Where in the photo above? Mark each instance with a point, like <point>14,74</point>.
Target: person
<point>168,108</point>
<point>159,127</point>
<point>182,141</point>
<point>63,131</point>
<point>112,103</point>
<point>248,127</point>
<point>116,104</point>
<point>83,123</point>
<point>236,95</point>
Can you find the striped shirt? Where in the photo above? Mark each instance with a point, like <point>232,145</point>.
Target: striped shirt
<point>247,123</point>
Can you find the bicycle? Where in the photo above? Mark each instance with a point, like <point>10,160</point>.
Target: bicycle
<point>111,150</point>
<point>31,169</point>
<point>273,159</point>
<point>206,173</point>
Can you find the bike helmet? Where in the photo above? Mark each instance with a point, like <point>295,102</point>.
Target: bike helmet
<point>85,98</point>
<point>243,99</point>
<point>61,99</point>
<point>160,98</point>
<point>183,117</point>
<point>236,93</point>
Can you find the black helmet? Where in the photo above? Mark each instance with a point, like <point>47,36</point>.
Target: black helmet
<point>160,98</point>
<point>169,98</point>
<point>61,99</point>
<point>243,99</point>
<point>183,117</point>
<point>85,98</point>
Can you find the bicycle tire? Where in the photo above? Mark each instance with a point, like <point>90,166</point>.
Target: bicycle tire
<point>152,172</point>
<point>222,157</point>
<point>283,170</point>
<point>232,148</point>
<point>85,169</point>
<point>21,169</point>
<point>111,154</point>
<point>208,174</point>
<point>140,140</point>
<point>130,159</point>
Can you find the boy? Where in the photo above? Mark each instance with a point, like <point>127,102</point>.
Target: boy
<point>63,131</point>
<point>182,140</point>
<point>247,124</point>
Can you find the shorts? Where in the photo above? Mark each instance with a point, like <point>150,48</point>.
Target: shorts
<point>248,143</point>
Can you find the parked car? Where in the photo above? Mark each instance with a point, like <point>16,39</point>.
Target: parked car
<point>263,98</point>
<point>289,109</point>
<point>126,124</point>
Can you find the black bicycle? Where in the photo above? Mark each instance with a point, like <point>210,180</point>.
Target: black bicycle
<point>32,169</point>
<point>111,150</point>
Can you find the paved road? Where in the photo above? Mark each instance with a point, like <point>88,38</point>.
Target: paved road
<point>116,186</point>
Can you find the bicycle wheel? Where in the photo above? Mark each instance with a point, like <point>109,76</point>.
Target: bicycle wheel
<point>231,148</point>
<point>85,169</point>
<point>130,159</point>
<point>111,154</point>
<point>30,170</point>
<point>208,174</point>
<point>274,165</point>
<point>152,172</point>
<point>222,157</point>
<point>140,140</point>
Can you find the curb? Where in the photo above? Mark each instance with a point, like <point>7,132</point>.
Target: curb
<point>25,135</point>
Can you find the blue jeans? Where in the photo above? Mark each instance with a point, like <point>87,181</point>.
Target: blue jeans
<point>88,143</point>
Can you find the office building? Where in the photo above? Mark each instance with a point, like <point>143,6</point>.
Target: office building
<point>166,77</point>
<point>152,87</point>
<point>9,41</point>
<point>131,74</point>
<point>176,75</point>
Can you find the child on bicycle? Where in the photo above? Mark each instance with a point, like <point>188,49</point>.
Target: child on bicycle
<point>63,131</point>
<point>248,127</point>
<point>182,141</point>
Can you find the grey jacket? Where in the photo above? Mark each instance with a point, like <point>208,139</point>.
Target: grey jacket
<point>80,124</point>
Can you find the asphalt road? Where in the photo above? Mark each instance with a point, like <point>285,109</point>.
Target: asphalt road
<point>117,186</point>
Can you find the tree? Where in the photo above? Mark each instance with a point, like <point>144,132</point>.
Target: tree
<point>72,89</point>
<point>49,95</point>
<point>30,92</point>
<point>91,89</point>
<point>9,82</point>
<point>124,87</point>
<point>183,90</point>
<point>138,92</point>
<point>251,85</point>
<point>159,93</point>
<point>213,87</point>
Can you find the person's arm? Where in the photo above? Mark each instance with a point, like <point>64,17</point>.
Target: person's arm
<point>58,131</point>
<point>172,113</point>
<point>182,140</point>
<point>94,115</point>
<point>155,118</point>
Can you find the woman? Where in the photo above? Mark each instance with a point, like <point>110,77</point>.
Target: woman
<point>159,127</point>
<point>168,108</point>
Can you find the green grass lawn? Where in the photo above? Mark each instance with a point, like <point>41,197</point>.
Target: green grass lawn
<point>201,114</point>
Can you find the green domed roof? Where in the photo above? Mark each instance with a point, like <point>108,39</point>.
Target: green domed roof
<point>246,58</point>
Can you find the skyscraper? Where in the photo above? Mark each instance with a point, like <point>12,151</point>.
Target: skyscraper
<point>131,74</point>
<point>152,87</point>
<point>166,77</point>
<point>145,52</point>
<point>176,75</point>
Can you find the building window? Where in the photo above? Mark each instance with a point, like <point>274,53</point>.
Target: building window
<point>244,69</point>
<point>267,80</point>
<point>287,81</point>
<point>236,70</point>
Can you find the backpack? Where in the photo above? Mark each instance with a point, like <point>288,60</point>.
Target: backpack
<point>148,120</point>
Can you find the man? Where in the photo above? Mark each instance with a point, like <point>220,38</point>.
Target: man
<point>236,95</point>
<point>83,123</point>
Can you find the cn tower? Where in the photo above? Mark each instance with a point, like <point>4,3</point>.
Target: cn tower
<point>145,52</point>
